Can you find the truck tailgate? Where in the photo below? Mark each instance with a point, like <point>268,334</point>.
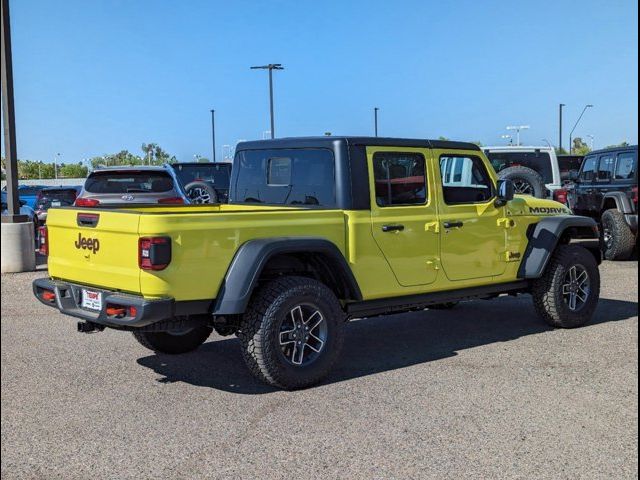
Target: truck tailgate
<point>98,248</point>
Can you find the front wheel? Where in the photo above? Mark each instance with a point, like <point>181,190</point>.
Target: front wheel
<point>292,332</point>
<point>567,294</point>
<point>178,340</point>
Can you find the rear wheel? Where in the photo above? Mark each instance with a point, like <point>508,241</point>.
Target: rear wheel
<point>292,332</point>
<point>618,241</point>
<point>567,294</point>
<point>178,340</point>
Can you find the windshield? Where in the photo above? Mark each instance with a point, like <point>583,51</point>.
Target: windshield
<point>135,181</point>
<point>538,161</point>
<point>216,174</point>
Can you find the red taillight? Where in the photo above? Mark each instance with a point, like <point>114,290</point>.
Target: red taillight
<point>48,296</point>
<point>133,311</point>
<point>634,190</point>
<point>561,195</point>
<point>86,202</point>
<point>43,241</point>
<point>115,311</point>
<point>172,201</point>
<point>154,253</point>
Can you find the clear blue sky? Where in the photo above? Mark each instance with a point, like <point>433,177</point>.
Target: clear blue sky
<point>100,76</point>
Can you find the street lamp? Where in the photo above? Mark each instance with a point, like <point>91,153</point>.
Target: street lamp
<point>271,67</point>
<point>574,127</point>
<point>517,128</point>
<point>55,165</point>
<point>562,105</point>
<point>507,137</point>
<point>213,134</point>
<point>375,120</point>
<point>592,138</point>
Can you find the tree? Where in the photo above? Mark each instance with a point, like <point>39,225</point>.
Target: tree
<point>155,155</point>
<point>73,170</point>
<point>561,151</point>
<point>621,144</point>
<point>120,159</point>
<point>580,147</point>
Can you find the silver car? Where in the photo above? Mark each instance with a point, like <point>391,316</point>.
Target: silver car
<point>131,186</point>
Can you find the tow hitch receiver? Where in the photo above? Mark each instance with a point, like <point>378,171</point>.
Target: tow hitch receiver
<point>90,327</point>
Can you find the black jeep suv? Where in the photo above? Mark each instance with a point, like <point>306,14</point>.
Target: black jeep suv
<point>606,188</point>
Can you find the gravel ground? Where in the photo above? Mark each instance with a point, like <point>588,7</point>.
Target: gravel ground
<point>483,391</point>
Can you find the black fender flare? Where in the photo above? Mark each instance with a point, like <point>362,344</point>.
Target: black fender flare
<point>545,236</point>
<point>623,203</point>
<point>251,258</point>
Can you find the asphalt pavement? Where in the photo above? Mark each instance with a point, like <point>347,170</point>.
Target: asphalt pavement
<point>483,391</point>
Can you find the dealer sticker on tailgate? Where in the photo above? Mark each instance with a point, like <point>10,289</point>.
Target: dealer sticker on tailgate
<point>91,300</point>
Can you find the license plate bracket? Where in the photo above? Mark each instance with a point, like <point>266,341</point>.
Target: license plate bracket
<point>91,300</point>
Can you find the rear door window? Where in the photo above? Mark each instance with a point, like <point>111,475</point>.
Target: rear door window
<point>626,166</point>
<point>606,167</point>
<point>400,178</point>
<point>129,182</point>
<point>303,176</point>
<point>589,169</point>
<point>537,161</point>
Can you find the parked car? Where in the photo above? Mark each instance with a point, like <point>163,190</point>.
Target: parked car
<point>24,210</point>
<point>319,231</point>
<point>533,170</point>
<point>55,197</point>
<point>131,186</point>
<point>204,182</point>
<point>606,189</point>
<point>28,193</point>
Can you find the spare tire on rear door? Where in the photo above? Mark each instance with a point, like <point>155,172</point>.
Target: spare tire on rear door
<point>525,180</point>
<point>201,192</point>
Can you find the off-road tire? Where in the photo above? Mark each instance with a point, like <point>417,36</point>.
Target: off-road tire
<point>213,195</point>
<point>520,173</point>
<point>165,342</point>
<point>623,241</point>
<point>260,329</point>
<point>547,290</point>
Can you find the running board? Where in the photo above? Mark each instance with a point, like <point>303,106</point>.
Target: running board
<point>382,306</point>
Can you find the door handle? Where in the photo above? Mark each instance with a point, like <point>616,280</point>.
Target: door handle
<point>457,224</point>
<point>392,228</point>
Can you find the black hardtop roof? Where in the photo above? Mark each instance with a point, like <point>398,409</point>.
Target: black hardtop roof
<point>201,164</point>
<point>331,141</point>
<point>613,149</point>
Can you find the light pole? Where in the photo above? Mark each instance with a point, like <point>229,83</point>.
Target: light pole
<point>507,137</point>
<point>271,67</point>
<point>592,138</point>
<point>574,127</point>
<point>517,128</point>
<point>375,120</point>
<point>562,105</point>
<point>213,134</point>
<point>55,165</point>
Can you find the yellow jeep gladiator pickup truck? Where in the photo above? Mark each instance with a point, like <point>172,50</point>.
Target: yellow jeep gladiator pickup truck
<point>318,231</point>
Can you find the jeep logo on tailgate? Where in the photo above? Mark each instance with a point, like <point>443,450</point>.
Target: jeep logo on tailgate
<point>86,243</point>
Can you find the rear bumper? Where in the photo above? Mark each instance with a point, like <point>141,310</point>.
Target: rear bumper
<point>68,300</point>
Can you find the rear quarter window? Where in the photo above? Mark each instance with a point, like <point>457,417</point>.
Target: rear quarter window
<point>626,166</point>
<point>286,177</point>
<point>129,182</point>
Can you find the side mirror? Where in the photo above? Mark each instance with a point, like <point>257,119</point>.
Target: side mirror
<point>22,203</point>
<point>506,192</point>
<point>574,175</point>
